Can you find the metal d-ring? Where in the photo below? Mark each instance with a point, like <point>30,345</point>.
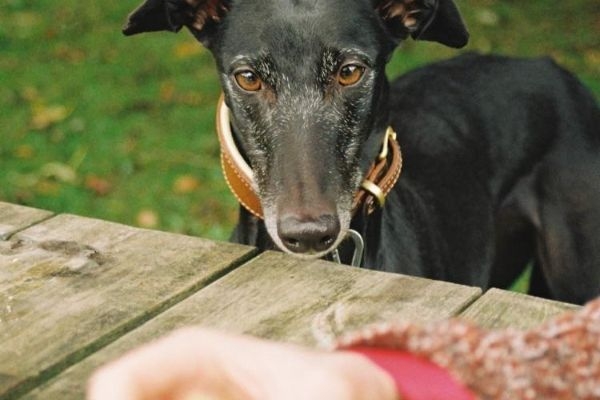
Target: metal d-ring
<point>359,247</point>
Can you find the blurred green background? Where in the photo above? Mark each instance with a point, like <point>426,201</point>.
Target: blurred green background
<point>96,124</point>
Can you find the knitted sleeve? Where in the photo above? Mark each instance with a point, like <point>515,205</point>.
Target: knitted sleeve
<point>557,360</point>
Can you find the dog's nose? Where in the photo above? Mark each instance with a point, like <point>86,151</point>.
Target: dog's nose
<point>308,235</point>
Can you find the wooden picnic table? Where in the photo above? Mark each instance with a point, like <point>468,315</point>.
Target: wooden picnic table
<point>76,292</point>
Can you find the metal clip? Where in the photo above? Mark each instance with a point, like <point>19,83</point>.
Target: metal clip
<point>359,247</point>
<point>389,135</point>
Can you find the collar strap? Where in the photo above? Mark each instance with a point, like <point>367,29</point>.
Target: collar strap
<point>238,174</point>
<point>381,176</point>
<point>378,182</point>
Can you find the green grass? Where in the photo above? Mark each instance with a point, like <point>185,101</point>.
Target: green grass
<point>97,124</point>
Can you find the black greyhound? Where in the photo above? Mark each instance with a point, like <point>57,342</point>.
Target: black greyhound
<point>502,161</point>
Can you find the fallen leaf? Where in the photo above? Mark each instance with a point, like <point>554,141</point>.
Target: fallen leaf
<point>147,218</point>
<point>45,116</point>
<point>169,94</point>
<point>47,188</point>
<point>559,56</point>
<point>30,94</point>
<point>185,184</point>
<point>98,185</point>
<point>190,99</point>
<point>24,152</point>
<point>487,17</point>
<point>187,49</point>
<point>69,54</point>
<point>59,172</point>
<point>592,58</point>
<point>25,22</point>
<point>167,91</point>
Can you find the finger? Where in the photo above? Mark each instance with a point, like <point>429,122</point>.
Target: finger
<point>148,372</point>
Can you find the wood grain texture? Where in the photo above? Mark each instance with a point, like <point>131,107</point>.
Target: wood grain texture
<point>502,309</point>
<point>280,297</point>
<point>70,285</point>
<point>13,218</point>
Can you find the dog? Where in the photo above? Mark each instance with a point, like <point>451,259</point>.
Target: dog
<point>501,156</point>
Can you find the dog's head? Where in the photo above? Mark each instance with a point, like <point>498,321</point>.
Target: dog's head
<point>305,83</point>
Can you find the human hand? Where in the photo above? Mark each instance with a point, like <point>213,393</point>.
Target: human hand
<point>201,364</point>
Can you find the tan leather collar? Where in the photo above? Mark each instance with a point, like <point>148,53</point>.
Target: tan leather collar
<point>378,182</point>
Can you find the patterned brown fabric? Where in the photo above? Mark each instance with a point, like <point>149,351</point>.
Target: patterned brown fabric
<point>557,360</point>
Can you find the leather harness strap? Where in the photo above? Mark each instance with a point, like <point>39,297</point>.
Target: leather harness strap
<point>379,180</point>
<point>381,176</point>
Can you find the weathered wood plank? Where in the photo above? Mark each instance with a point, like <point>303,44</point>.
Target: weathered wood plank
<point>502,309</point>
<point>70,285</point>
<point>14,218</point>
<point>279,297</point>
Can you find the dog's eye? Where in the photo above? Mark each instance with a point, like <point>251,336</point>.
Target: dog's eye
<point>350,74</point>
<point>248,80</point>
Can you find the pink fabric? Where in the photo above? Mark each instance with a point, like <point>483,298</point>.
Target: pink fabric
<point>416,378</point>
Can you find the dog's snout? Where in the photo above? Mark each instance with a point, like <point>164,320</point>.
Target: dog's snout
<point>308,235</point>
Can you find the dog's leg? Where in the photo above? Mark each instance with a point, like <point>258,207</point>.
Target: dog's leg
<point>551,218</point>
<point>515,239</point>
<point>569,242</point>
<point>537,283</point>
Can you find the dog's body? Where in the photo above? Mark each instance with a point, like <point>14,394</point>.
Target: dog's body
<point>502,157</point>
<point>502,167</point>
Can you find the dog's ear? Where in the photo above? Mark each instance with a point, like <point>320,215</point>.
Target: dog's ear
<point>171,15</point>
<point>433,20</point>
